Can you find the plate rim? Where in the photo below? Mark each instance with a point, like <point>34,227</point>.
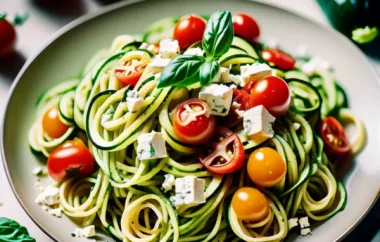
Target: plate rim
<point>109,8</point>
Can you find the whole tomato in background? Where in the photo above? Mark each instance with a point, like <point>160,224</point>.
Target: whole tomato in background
<point>7,37</point>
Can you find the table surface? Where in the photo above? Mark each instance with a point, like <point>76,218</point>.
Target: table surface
<point>49,19</point>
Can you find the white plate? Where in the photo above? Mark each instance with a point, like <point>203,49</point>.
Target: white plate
<point>68,51</point>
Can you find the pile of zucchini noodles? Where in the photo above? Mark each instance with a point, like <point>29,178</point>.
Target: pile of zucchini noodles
<point>124,196</point>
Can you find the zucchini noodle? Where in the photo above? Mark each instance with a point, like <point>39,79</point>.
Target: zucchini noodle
<point>124,197</point>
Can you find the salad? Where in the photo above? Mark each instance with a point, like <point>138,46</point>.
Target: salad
<point>196,131</point>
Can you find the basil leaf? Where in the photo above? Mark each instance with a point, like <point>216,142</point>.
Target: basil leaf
<point>218,35</point>
<point>11,231</point>
<point>208,71</point>
<point>181,71</point>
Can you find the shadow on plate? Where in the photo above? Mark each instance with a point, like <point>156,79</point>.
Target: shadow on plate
<point>106,2</point>
<point>68,8</point>
<point>11,65</point>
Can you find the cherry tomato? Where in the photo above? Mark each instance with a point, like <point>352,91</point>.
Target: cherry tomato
<point>70,160</point>
<point>273,93</point>
<point>250,204</point>
<point>246,26</point>
<point>224,153</point>
<point>192,121</point>
<point>189,30</point>
<point>249,86</point>
<point>279,59</point>
<point>131,73</point>
<point>75,141</point>
<point>266,167</point>
<point>7,38</point>
<point>241,102</point>
<point>334,137</point>
<point>52,125</point>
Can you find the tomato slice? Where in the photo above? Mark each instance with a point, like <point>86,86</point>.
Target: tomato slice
<point>242,101</point>
<point>192,121</point>
<point>279,58</point>
<point>131,72</point>
<point>334,137</point>
<point>224,153</point>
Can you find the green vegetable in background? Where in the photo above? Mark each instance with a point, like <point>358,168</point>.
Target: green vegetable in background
<point>11,231</point>
<point>186,70</point>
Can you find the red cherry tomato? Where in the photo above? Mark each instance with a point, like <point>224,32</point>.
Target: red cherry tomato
<point>192,121</point>
<point>334,137</point>
<point>7,38</point>
<point>52,125</point>
<point>273,93</point>
<point>189,30</point>
<point>279,59</point>
<point>131,73</point>
<point>246,26</point>
<point>224,153</point>
<point>70,160</point>
<point>242,101</point>
<point>249,86</point>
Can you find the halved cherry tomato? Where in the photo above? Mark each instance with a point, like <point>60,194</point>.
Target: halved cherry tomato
<point>131,72</point>
<point>192,121</point>
<point>241,102</point>
<point>273,93</point>
<point>250,204</point>
<point>189,30</point>
<point>334,137</point>
<point>224,153</point>
<point>266,167</point>
<point>279,59</point>
<point>246,26</point>
<point>7,37</point>
<point>70,160</point>
<point>52,125</point>
<point>249,86</point>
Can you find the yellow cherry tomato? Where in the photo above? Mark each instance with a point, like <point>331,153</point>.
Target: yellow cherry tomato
<point>52,125</point>
<point>266,167</point>
<point>250,204</point>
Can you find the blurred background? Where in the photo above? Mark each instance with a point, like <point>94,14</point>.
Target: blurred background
<point>30,23</point>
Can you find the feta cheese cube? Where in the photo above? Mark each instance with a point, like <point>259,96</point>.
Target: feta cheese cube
<point>168,183</point>
<point>194,51</point>
<point>89,231</point>
<point>292,223</point>
<point>223,76</point>
<point>169,48</point>
<point>37,171</point>
<point>316,64</point>
<point>304,222</point>
<point>157,64</point>
<point>189,190</point>
<point>239,113</point>
<point>151,146</point>
<point>296,126</point>
<point>49,196</point>
<point>134,101</point>
<point>237,79</point>
<point>55,212</point>
<point>258,120</point>
<point>306,231</point>
<point>218,97</point>
<point>255,72</point>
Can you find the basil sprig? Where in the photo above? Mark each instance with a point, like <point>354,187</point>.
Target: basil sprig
<point>10,230</point>
<point>185,70</point>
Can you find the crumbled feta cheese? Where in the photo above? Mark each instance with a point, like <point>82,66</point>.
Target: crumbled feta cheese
<point>292,223</point>
<point>144,46</point>
<point>237,79</point>
<point>151,146</point>
<point>89,231</point>
<point>258,120</point>
<point>306,231</point>
<point>194,51</point>
<point>189,190</point>
<point>55,212</point>
<point>255,72</point>
<point>168,183</point>
<point>169,48</point>
<point>218,97</point>
<point>39,186</point>
<point>239,113</point>
<point>296,126</point>
<point>304,222</point>
<point>223,75</point>
<point>37,171</point>
<point>316,64</point>
<point>107,116</point>
<point>45,208</point>
<point>78,232</point>
<point>134,101</point>
<point>157,64</point>
<point>49,196</point>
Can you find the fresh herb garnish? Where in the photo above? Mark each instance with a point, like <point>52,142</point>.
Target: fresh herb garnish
<point>3,16</point>
<point>10,230</point>
<point>186,70</point>
<point>18,20</point>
